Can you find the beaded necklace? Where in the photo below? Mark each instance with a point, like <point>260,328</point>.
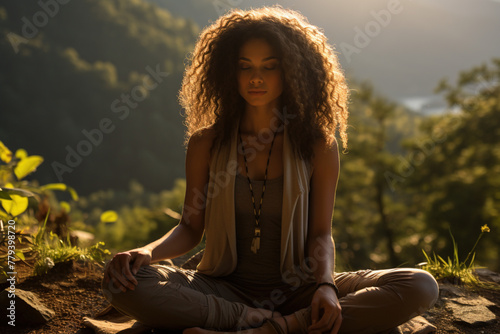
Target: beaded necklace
<point>256,239</point>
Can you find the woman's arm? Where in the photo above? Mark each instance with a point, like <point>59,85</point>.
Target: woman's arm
<point>320,244</point>
<point>189,232</point>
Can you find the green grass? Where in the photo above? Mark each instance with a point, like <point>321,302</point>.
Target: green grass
<point>455,271</point>
<point>50,249</point>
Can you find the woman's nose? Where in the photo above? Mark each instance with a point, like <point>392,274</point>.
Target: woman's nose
<point>256,78</point>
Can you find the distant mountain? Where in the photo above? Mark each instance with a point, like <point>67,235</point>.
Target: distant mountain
<point>426,105</point>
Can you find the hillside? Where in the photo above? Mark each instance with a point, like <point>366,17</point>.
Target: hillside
<point>104,73</point>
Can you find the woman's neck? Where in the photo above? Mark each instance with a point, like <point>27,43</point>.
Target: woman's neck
<point>255,120</point>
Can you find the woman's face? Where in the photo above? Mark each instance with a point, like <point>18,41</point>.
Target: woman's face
<point>259,74</point>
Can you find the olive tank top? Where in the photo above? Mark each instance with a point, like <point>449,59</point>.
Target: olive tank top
<point>261,269</point>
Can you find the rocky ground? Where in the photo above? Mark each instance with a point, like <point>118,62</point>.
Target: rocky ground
<point>71,291</point>
<point>461,310</point>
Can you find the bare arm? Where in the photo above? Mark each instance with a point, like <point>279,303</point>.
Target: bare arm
<point>189,232</point>
<point>186,235</point>
<point>320,244</point>
<point>322,199</point>
<point>178,241</point>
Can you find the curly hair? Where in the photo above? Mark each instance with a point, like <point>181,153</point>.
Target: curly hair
<point>314,88</point>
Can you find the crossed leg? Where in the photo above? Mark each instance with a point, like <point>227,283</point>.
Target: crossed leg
<point>371,301</point>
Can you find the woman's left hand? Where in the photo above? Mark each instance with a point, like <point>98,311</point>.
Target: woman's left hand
<point>325,299</point>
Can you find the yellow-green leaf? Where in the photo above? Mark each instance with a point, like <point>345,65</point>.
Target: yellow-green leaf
<point>65,206</point>
<point>54,186</point>
<point>109,216</point>
<point>62,187</point>
<point>9,190</point>
<point>4,195</point>
<point>20,255</point>
<point>5,153</point>
<point>27,165</point>
<point>21,153</point>
<point>73,194</point>
<point>16,206</point>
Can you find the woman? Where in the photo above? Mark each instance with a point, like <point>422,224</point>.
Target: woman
<point>264,96</point>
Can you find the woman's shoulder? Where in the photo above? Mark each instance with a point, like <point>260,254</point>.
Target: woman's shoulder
<point>201,141</point>
<point>322,145</point>
<point>324,151</point>
<point>203,137</point>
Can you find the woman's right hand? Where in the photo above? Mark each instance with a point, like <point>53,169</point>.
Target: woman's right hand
<point>118,269</point>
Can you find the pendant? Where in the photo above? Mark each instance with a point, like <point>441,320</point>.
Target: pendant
<point>256,241</point>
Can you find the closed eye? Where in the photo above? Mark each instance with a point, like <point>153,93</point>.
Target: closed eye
<point>269,68</point>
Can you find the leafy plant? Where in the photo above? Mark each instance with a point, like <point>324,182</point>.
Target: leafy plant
<point>454,270</point>
<point>52,250</point>
<point>14,190</point>
<point>49,249</point>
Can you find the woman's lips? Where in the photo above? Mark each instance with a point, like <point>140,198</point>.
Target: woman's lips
<point>257,93</point>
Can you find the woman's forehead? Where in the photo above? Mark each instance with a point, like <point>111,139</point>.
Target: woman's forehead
<point>257,48</point>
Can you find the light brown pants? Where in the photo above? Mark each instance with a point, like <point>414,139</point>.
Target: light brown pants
<point>173,298</point>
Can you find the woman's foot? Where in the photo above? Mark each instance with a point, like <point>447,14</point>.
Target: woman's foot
<point>266,328</point>
<point>255,317</point>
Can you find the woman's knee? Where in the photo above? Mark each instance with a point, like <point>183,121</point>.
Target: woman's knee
<point>144,276</point>
<point>147,302</point>
<point>416,288</point>
<point>425,287</point>
<point>420,293</point>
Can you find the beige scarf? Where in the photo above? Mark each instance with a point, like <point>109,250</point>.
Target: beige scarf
<point>219,258</point>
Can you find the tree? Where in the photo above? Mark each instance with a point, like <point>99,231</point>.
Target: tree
<point>370,216</point>
<point>460,171</point>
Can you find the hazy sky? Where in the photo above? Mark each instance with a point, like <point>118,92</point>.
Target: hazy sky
<point>404,47</point>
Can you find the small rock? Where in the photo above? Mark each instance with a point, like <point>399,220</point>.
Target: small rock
<point>471,301</point>
<point>29,311</point>
<point>67,284</point>
<point>123,324</point>
<point>50,286</point>
<point>48,262</point>
<point>417,325</point>
<point>488,275</point>
<point>83,238</point>
<point>449,290</point>
<point>477,315</point>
